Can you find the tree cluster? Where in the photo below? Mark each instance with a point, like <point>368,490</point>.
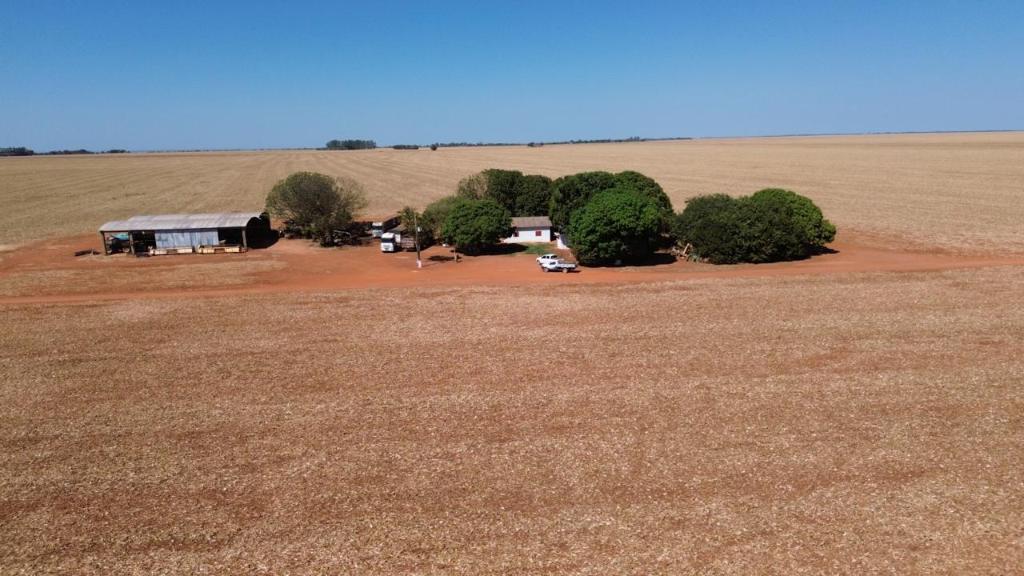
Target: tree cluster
<point>520,194</point>
<point>611,218</point>
<point>351,145</point>
<point>316,205</point>
<point>406,147</point>
<point>771,225</point>
<point>22,151</point>
<point>16,151</point>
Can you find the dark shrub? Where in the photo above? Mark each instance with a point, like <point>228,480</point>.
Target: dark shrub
<point>713,225</point>
<point>770,226</point>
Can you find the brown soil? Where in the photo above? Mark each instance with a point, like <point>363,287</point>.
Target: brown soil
<point>46,272</point>
<point>830,424</point>
<point>41,272</point>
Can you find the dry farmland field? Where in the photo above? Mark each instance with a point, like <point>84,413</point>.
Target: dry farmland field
<point>812,418</point>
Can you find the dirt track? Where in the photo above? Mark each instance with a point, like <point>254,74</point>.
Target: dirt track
<point>298,266</point>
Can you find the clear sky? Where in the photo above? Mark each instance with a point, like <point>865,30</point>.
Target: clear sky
<point>181,75</point>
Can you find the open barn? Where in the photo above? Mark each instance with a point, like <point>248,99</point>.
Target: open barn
<point>186,233</point>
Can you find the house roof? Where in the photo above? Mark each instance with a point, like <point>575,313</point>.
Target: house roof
<point>181,222</point>
<point>531,222</point>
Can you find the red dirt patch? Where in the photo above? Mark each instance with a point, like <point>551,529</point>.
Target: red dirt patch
<point>298,266</point>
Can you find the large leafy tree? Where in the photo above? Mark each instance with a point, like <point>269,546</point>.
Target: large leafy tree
<point>503,186</point>
<point>473,225</point>
<point>521,195</point>
<point>435,215</point>
<point>713,225</point>
<point>315,203</point>
<point>570,193</point>
<point>534,196</point>
<point>616,225</point>
<point>814,230</point>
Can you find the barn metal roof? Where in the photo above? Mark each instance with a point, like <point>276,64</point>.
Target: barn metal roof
<point>531,222</point>
<point>181,222</point>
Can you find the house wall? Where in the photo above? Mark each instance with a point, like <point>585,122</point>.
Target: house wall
<point>528,235</point>
<point>185,238</point>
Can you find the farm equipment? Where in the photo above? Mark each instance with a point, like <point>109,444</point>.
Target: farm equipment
<point>685,253</point>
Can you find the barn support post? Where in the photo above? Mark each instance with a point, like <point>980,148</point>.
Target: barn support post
<point>131,243</point>
<point>103,239</point>
<point>245,244</point>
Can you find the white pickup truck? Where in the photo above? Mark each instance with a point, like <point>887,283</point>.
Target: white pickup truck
<point>552,263</point>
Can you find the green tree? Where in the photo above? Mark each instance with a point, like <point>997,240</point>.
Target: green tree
<point>435,214</point>
<point>645,185</point>
<point>769,226</point>
<point>503,187</point>
<point>781,225</point>
<point>411,219</point>
<point>316,204</point>
<point>570,193</point>
<point>615,225</point>
<point>473,225</point>
<point>713,225</point>
<point>534,196</point>
<point>521,195</point>
<point>815,231</point>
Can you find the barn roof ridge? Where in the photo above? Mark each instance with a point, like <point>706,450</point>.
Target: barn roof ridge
<point>181,221</point>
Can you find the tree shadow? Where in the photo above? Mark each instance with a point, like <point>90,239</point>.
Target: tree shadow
<point>656,259</point>
<point>503,249</point>
<point>263,241</point>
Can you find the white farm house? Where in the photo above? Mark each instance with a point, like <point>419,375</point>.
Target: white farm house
<point>526,229</point>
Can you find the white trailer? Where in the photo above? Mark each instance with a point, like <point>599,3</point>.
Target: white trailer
<point>391,242</point>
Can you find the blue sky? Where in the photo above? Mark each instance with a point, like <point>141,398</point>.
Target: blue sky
<point>184,75</point>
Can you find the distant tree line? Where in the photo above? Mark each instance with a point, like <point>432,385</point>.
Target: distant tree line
<point>437,145</point>
<point>351,145</point>
<point>22,151</point>
<point>406,147</point>
<point>610,140</point>
<point>70,152</point>
<point>16,151</point>
<point>538,144</point>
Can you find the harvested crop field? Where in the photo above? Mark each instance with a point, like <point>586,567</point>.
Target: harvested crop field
<point>304,410</point>
<point>957,191</point>
<point>849,424</point>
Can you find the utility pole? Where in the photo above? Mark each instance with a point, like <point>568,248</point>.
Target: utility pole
<point>416,232</point>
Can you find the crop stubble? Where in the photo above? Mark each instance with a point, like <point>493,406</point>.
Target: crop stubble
<point>959,192</point>
<point>845,424</point>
